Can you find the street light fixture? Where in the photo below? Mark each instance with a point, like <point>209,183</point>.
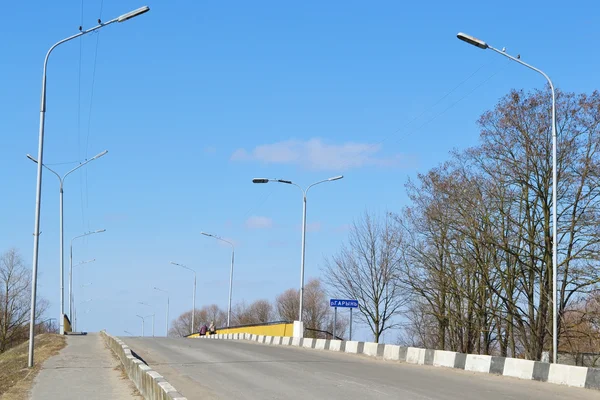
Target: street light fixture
<point>38,194</point>
<point>193,295</point>
<point>129,333</point>
<point>71,268</point>
<point>304,193</point>
<point>483,45</point>
<point>167,320</point>
<point>153,312</point>
<point>61,180</point>
<point>230,272</point>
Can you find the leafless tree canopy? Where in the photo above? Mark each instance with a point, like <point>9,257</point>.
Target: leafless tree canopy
<point>182,326</point>
<point>477,254</point>
<point>368,269</point>
<point>15,292</point>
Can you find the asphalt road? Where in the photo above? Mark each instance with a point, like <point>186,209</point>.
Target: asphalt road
<point>223,369</point>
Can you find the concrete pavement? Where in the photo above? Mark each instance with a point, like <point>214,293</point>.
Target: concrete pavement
<point>84,369</point>
<point>218,369</point>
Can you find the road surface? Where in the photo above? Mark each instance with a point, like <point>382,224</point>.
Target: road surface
<point>227,369</point>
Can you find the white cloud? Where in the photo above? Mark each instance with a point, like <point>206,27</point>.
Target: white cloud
<point>314,154</point>
<point>257,222</point>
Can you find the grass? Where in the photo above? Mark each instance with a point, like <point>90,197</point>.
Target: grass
<point>15,378</point>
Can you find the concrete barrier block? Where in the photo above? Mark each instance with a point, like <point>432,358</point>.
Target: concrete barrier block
<point>320,344</point>
<point>415,355</point>
<point>335,345</point>
<point>541,371</point>
<point>277,340</point>
<point>261,339</point>
<point>370,349</point>
<point>497,365</point>
<point>460,361</point>
<point>296,341</point>
<point>592,379</point>
<point>391,352</point>
<point>308,343</point>
<point>567,375</point>
<point>442,358</point>
<point>428,359</point>
<point>517,368</point>
<point>286,341</point>
<point>354,347</point>
<point>478,363</point>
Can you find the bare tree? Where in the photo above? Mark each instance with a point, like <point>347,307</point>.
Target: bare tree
<point>181,326</point>
<point>15,291</point>
<point>288,305</point>
<point>368,269</point>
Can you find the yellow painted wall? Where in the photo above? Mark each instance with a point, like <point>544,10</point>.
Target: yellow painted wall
<point>267,330</point>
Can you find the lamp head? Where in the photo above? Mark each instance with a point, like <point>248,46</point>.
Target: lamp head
<point>133,14</point>
<point>260,180</point>
<point>472,40</point>
<point>335,178</point>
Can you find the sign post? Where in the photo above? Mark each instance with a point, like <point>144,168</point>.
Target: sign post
<point>335,303</point>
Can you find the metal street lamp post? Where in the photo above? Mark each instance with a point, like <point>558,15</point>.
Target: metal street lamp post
<point>483,45</point>
<point>230,273</point>
<point>153,312</point>
<point>139,316</point>
<point>61,180</point>
<point>193,295</point>
<point>71,268</point>
<point>38,195</point>
<point>304,193</point>
<point>167,320</point>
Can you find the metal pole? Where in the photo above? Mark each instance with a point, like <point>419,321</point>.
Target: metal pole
<point>167,321</point>
<point>230,287</point>
<point>62,265</point>
<point>193,305</point>
<point>71,281</point>
<point>152,325</point>
<point>334,321</point>
<point>40,159</point>
<point>350,324</point>
<point>554,232</point>
<point>302,256</point>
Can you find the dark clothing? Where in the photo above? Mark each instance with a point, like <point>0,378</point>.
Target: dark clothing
<point>203,330</point>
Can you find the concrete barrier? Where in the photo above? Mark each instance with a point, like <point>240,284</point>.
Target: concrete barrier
<point>478,363</point>
<point>444,358</point>
<point>517,368</point>
<point>149,383</point>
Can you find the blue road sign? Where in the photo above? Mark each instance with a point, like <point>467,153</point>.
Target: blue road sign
<point>343,303</point>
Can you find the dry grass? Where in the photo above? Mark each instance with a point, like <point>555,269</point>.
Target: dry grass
<point>15,378</point>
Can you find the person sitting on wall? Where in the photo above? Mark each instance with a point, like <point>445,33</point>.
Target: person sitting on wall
<point>211,329</point>
<point>203,330</point>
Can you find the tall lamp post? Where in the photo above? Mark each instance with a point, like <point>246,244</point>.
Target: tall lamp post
<point>193,295</point>
<point>71,268</point>
<point>304,193</point>
<point>230,273</point>
<point>153,312</point>
<point>167,320</point>
<point>61,180</point>
<point>139,316</point>
<point>483,45</point>
<point>38,195</point>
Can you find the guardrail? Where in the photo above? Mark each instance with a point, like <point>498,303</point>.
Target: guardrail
<point>560,374</point>
<point>150,383</point>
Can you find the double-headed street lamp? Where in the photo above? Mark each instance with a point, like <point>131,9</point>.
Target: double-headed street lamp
<point>230,272</point>
<point>71,269</point>
<point>61,181</point>
<point>483,45</point>
<point>40,159</point>
<point>167,320</point>
<point>304,193</point>
<point>153,312</point>
<point>193,295</point>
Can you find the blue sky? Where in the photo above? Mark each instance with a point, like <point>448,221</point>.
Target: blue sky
<point>194,99</point>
